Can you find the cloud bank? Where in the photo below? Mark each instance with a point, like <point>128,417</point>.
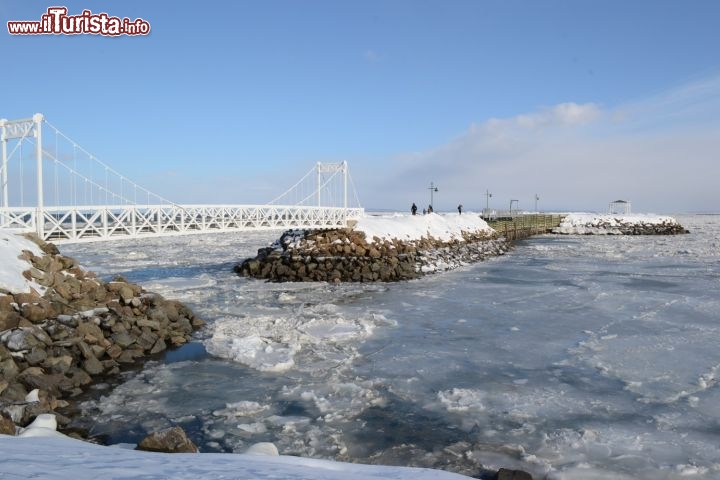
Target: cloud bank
<point>662,153</point>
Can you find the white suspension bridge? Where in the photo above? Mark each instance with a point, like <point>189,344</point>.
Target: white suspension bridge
<point>54,187</point>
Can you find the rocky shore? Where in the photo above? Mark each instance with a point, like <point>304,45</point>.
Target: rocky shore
<point>73,330</point>
<point>346,255</point>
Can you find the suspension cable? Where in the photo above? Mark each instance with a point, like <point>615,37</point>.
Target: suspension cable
<point>111,170</point>
<point>291,188</point>
<point>22,180</point>
<point>357,200</point>
<point>320,187</point>
<point>55,186</point>
<point>73,186</point>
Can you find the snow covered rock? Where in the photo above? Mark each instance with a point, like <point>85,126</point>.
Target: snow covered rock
<point>591,224</point>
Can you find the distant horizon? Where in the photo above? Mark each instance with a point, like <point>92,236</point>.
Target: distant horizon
<point>549,211</point>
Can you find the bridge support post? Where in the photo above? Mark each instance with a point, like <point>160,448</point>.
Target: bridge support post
<point>3,140</point>
<point>345,178</point>
<point>40,220</point>
<point>319,181</point>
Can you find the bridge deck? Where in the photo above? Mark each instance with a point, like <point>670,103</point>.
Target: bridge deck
<point>74,224</point>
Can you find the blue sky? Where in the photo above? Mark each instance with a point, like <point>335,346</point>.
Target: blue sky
<point>581,102</point>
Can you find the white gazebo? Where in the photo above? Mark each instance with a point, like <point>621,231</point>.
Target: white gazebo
<point>619,207</point>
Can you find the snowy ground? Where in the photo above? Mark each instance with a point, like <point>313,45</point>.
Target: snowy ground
<point>11,277</point>
<point>42,453</point>
<point>412,227</point>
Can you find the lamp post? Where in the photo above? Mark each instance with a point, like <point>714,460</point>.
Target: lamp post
<point>536,200</point>
<point>433,189</point>
<point>511,202</point>
<point>488,196</point>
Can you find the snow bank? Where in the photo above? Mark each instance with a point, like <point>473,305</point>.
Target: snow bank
<point>11,277</point>
<point>596,224</point>
<point>42,452</point>
<point>443,227</point>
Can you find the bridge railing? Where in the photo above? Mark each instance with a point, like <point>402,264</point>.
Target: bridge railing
<point>85,223</point>
<point>525,225</point>
<point>22,218</point>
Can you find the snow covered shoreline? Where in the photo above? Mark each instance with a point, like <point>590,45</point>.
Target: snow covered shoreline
<point>44,453</point>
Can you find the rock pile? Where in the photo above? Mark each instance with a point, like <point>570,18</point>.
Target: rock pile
<point>170,440</point>
<point>53,345</point>
<point>345,255</point>
<point>619,225</point>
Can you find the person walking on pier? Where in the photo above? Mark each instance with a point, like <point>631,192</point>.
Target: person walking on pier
<point>460,209</point>
<point>413,209</point>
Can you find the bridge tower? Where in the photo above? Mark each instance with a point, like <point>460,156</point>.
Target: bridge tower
<point>341,167</point>
<point>19,130</point>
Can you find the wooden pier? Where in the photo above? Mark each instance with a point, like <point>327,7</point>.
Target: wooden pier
<point>523,226</point>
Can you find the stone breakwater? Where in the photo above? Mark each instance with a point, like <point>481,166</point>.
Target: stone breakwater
<point>345,255</point>
<point>619,225</point>
<point>54,345</point>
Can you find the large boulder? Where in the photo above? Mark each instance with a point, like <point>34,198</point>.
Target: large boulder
<point>7,426</point>
<point>507,474</point>
<point>171,440</point>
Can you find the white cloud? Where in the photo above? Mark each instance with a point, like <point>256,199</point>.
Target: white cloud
<point>562,114</point>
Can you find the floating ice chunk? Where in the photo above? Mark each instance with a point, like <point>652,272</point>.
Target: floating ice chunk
<point>256,427</point>
<point>461,400</point>
<point>271,342</point>
<point>285,297</point>
<point>241,409</point>
<point>288,421</point>
<point>248,408</point>
<point>256,352</point>
<point>688,470</point>
<point>175,285</point>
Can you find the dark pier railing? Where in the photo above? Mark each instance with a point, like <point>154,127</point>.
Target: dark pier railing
<point>522,226</point>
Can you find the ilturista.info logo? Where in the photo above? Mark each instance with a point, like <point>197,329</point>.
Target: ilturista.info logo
<point>56,21</point>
